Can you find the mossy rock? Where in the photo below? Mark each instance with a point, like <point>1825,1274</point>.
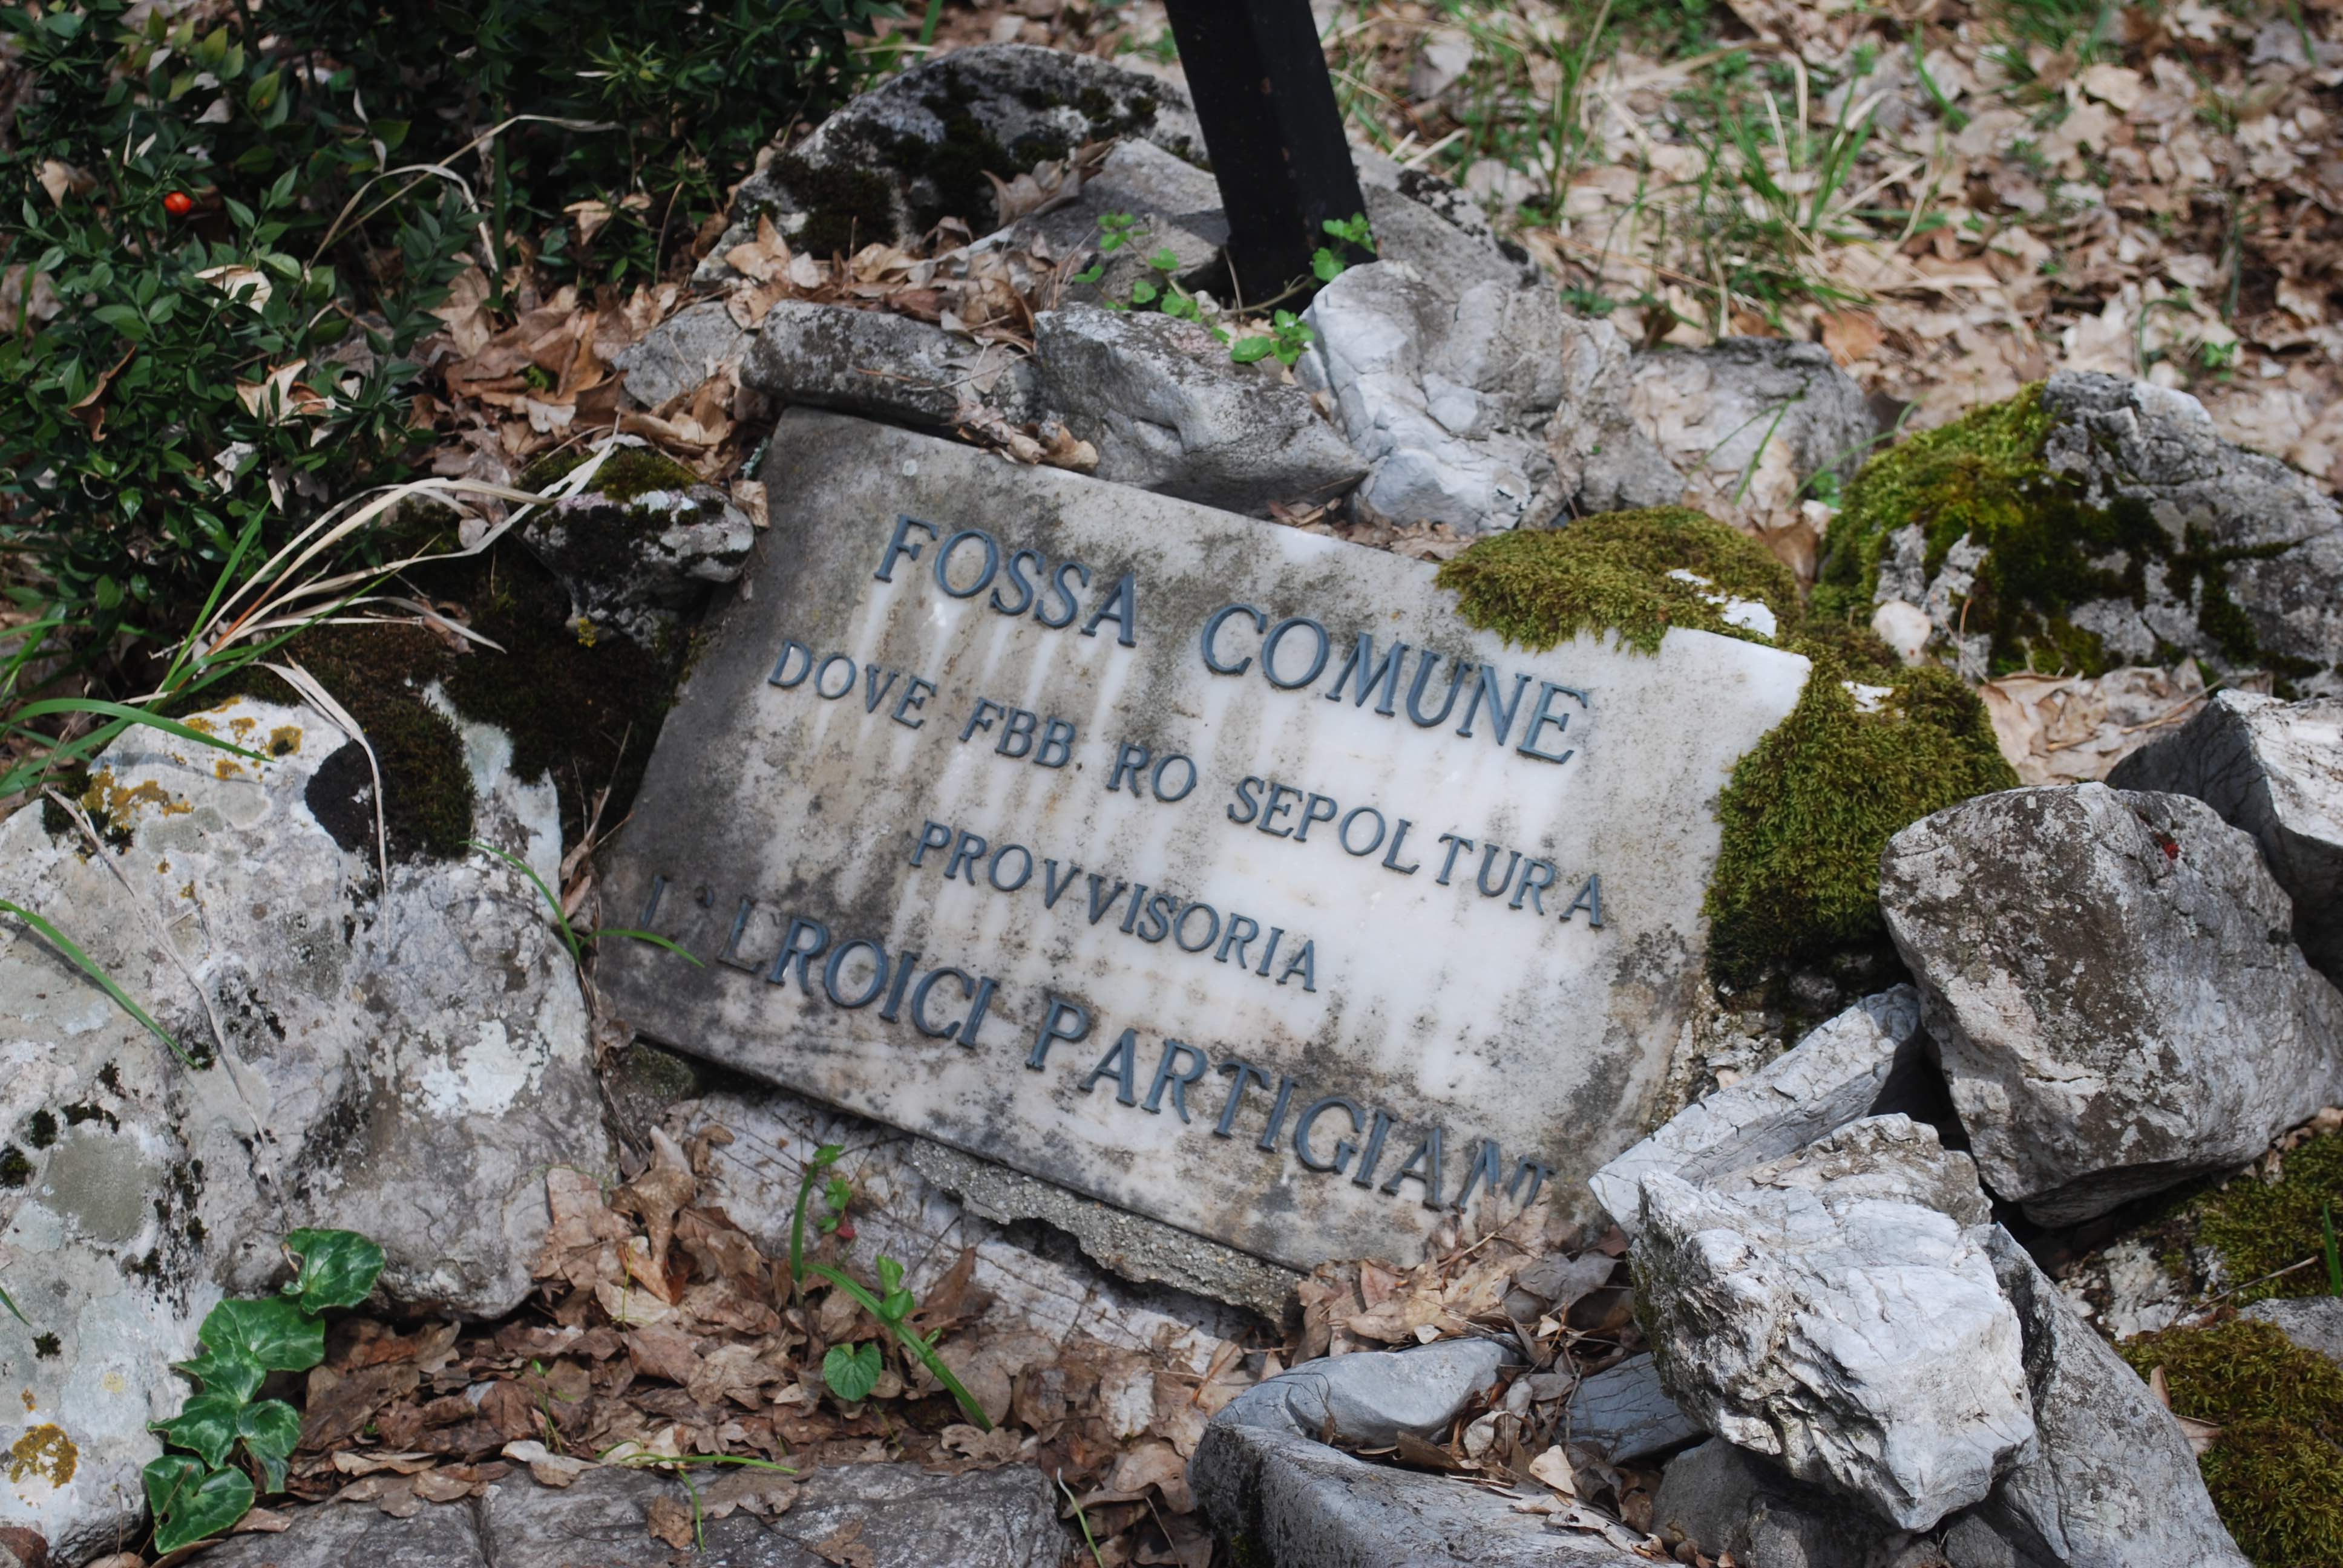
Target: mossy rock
<point>2072,550</point>
<point>2275,1473</point>
<point>629,474</point>
<point>585,715</point>
<point>1810,810</point>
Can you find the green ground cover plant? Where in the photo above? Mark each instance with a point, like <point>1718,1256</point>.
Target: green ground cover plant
<point>227,1443</point>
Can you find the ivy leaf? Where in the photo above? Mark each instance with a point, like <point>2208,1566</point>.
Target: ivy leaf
<point>1327,265</point>
<point>193,1502</point>
<point>338,1268</point>
<point>269,1430</point>
<point>204,1425</point>
<point>1143,293</point>
<point>272,1333</point>
<point>226,1371</point>
<point>1164,260</point>
<point>851,1371</point>
<point>1245,350</point>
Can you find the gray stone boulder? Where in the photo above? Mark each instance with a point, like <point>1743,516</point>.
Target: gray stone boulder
<point>2111,989</point>
<point>885,367</point>
<point>2260,587</point>
<point>2275,769</point>
<point>642,548</point>
<point>1624,1412</point>
<point>1868,1060</point>
<point>2109,1481</point>
<point>895,1516</point>
<point>1176,206</point>
<point>679,354</point>
<point>1169,411</point>
<point>1278,1494</point>
<point>870,172</point>
<point>403,1061</point>
<point>1837,1311</point>
<point>1725,1499</point>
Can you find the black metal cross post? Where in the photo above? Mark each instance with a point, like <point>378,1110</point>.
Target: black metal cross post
<point>1275,133</point>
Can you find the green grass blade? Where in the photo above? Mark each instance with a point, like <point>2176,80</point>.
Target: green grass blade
<point>127,715</point>
<point>9,1301</point>
<point>568,937</point>
<point>653,939</point>
<point>88,966</point>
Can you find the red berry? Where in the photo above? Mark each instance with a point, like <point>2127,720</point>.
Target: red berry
<point>178,204</point>
<point>846,1230</point>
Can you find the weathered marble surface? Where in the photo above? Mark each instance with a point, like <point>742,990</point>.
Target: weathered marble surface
<point>1519,1034</point>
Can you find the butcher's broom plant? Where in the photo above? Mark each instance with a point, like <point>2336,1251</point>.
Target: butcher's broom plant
<point>227,1446</point>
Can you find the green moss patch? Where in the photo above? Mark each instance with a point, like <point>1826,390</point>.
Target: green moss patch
<point>1539,587</point>
<point>1811,809</point>
<point>2261,1227</point>
<point>629,473</point>
<point>2275,1473</point>
<point>1983,477</point>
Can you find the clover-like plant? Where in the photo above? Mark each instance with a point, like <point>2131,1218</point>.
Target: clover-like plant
<point>223,1437</point>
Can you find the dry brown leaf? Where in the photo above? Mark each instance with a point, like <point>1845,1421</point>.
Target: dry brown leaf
<point>844,1548</point>
<point>671,1521</point>
<point>748,1489</point>
<point>369,1463</point>
<point>1553,1468</point>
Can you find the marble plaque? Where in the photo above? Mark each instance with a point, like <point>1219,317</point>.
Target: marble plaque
<point>1207,867</point>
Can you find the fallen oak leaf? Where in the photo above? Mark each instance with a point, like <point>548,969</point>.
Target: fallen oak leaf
<point>671,1522</point>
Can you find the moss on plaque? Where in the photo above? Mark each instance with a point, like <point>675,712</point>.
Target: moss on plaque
<point>1871,747</point>
<point>2274,1470</point>
<point>1612,573</point>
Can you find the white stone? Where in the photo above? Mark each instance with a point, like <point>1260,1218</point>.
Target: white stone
<point>1423,1000</point>
<point>1839,1073</point>
<point>1838,1312</point>
<point>1905,628</point>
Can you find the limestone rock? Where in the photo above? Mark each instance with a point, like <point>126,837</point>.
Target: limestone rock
<point>1868,1060</point>
<point>868,172</point>
<point>2275,769</point>
<point>404,1063</point>
<point>1837,1311</point>
<point>2110,1482</point>
<point>1724,1499</point>
<point>1176,206</point>
<point>1750,420</point>
<point>900,1516</point>
<point>1170,411</point>
<point>1623,1411</point>
<point>1263,1477</point>
<point>2111,989</point>
<point>1364,1400</point>
<point>2313,1322</point>
<point>681,352</point>
<point>2261,587</point>
<point>884,366</point>
<point>2133,441</point>
<point>1444,395</point>
<point>640,558</point>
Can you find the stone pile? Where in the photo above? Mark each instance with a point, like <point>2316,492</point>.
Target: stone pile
<point>1444,383</point>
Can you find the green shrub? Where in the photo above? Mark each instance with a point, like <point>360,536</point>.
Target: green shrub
<point>218,281</point>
